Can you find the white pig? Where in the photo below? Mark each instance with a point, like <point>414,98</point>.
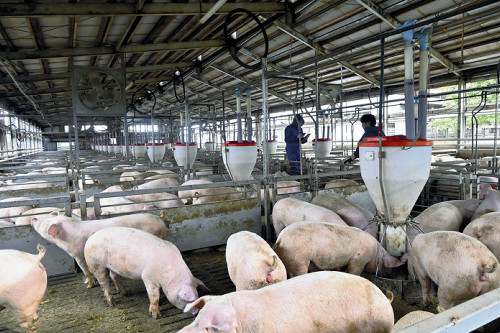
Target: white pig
<point>159,200</point>
<point>283,187</point>
<point>410,319</point>
<point>305,246</point>
<point>39,213</point>
<point>23,285</point>
<point>486,229</point>
<point>135,254</point>
<point>207,195</point>
<point>319,302</point>
<point>352,214</point>
<point>158,183</point>
<point>460,265</point>
<point>341,183</point>
<point>290,210</point>
<point>71,235</point>
<point>187,195</point>
<point>6,213</point>
<point>491,202</point>
<point>251,262</point>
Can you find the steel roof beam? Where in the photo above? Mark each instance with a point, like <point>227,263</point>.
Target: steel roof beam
<point>387,18</point>
<point>96,51</point>
<point>236,76</point>
<point>64,9</point>
<point>316,46</point>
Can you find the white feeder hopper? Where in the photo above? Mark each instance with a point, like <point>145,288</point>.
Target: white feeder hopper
<point>239,158</point>
<point>322,147</point>
<point>168,146</point>
<point>139,150</point>
<point>131,149</point>
<point>210,146</point>
<point>272,146</point>
<point>405,170</point>
<point>180,153</point>
<point>117,149</point>
<point>159,152</point>
<point>124,149</point>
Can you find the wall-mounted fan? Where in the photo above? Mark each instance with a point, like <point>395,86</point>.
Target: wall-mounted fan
<point>98,91</point>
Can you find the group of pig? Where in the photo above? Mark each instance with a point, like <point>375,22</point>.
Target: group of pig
<point>130,246</point>
<point>325,235</point>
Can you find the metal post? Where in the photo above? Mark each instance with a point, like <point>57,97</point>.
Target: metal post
<point>461,133</point>
<point>125,134</point>
<point>264,150</point>
<point>424,77</point>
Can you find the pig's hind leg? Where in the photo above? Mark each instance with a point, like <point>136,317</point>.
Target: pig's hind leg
<point>102,275</point>
<point>89,278</point>
<point>118,283</point>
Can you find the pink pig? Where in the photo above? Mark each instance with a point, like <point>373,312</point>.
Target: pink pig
<point>460,265</point>
<point>290,210</point>
<point>305,246</point>
<point>135,254</point>
<point>491,202</point>
<point>71,235</point>
<point>23,285</point>
<point>351,213</point>
<point>319,302</point>
<point>251,262</point>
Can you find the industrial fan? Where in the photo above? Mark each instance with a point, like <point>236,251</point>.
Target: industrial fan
<point>98,91</point>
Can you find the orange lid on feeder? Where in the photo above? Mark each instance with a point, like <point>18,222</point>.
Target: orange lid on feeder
<point>236,143</point>
<point>183,144</point>
<point>394,141</point>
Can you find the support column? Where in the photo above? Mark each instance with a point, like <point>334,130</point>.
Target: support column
<point>461,126</point>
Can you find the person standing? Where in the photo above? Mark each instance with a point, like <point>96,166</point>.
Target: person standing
<point>294,136</point>
<point>368,122</point>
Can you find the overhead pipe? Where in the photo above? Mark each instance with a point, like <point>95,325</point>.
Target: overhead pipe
<point>424,40</point>
<point>409,81</point>
<point>238,115</point>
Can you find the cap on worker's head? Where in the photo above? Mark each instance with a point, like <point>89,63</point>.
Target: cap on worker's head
<point>299,117</point>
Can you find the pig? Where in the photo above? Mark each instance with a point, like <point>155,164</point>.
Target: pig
<point>467,208</point>
<point>283,187</point>
<point>128,176</point>
<point>207,195</point>
<point>352,214</point>
<point>290,210</point>
<point>159,200</point>
<point>135,254</point>
<point>38,184</point>
<point>460,265</point>
<point>410,319</point>
<point>12,213</point>
<point>39,213</point>
<point>486,229</point>
<point>491,202</point>
<point>308,245</point>
<point>90,210</point>
<point>70,235</point>
<point>441,216</point>
<point>311,303</point>
<point>144,175</point>
<point>251,262</point>
<point>187,195</point>
<point>341,183</point>
<point>119,205</point>
<point>23,284</point>
<point>157,183</point>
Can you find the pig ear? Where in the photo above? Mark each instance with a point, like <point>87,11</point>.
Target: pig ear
<point>54,229</point>
<point>484,190</point>
<point>390,261</point>
<point>199,303</point>
<point>188,293</point>
<point>201,284</point>
<point>221,316</point>
<point>55,213</point>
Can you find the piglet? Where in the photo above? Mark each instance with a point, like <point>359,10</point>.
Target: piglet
<point>305,246</point>
<point>460,265</point>
<point>71,235</point>
<point>23,285</point>
<point>134,254</point>
<point>290,210</point>
<point>319,302</point>
<point>251,262</point>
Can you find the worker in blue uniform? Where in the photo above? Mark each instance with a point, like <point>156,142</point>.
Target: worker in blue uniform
<point>294,136</point>
<point>368,122</point>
